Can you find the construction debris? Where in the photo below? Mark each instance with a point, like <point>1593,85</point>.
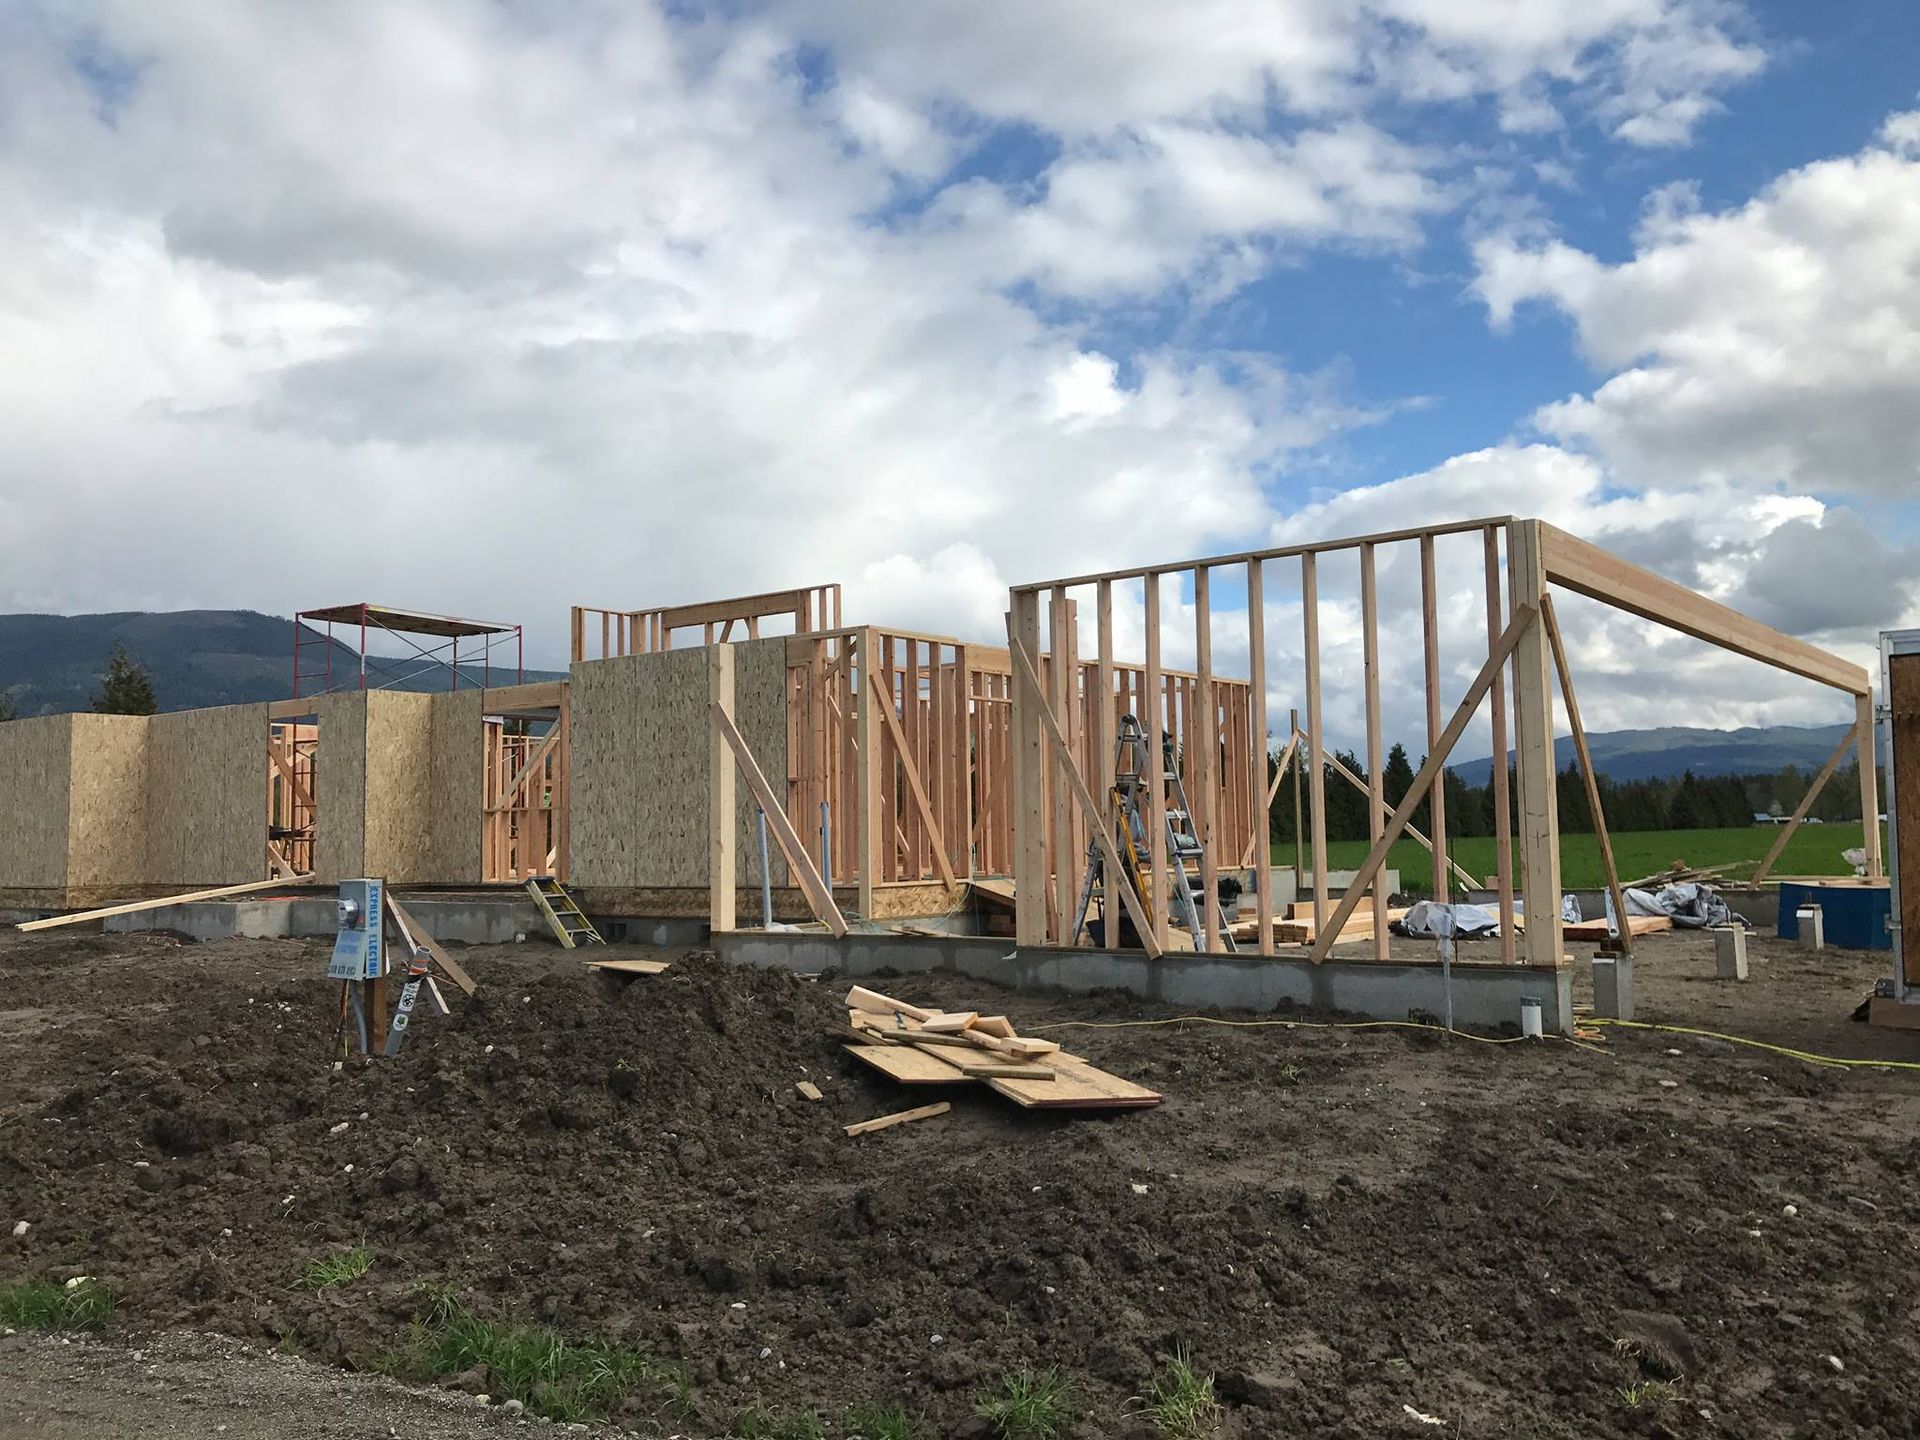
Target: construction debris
<point>629,967</point>
<point>884,1122</point>
<point>1600,929</point>
<point>1297,926</point>
<point>135,907</point>
<point>808,1090</point>
<point>898,1039</point>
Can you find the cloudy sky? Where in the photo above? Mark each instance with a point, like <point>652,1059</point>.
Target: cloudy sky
<point>493,308</point>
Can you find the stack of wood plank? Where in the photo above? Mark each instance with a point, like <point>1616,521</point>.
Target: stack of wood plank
<point>1597,929</point>
<point>1297,926</point>
<point>919,1046</point>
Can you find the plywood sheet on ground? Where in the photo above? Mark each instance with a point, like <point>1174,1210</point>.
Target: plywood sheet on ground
<point>630,967</point>
<point>909,1064</point>
<point>1077,1085</point>
<point>914,1057</point>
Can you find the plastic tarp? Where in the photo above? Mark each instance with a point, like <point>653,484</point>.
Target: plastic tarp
<point>1689,904</point>
<point>1436,921</point>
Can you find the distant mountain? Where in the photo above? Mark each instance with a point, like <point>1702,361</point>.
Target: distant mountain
<point>1672,750</point>
<point>51,664</point>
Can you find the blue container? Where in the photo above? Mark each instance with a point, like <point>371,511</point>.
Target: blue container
<point>1855,917</point>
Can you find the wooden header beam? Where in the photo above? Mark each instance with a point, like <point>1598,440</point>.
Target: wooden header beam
<point>717,612</point>
<point>1591,571</point>
<point>1284,552</point>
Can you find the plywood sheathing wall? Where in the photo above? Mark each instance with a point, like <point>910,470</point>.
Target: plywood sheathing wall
<point>1903,704</point>
<point>107,809</point>
<point>456,792</point>
<point>207,796</point>
<point>35,766</point>
<point>339,786</point>
<point>638,791</point>
<point>399,779</point>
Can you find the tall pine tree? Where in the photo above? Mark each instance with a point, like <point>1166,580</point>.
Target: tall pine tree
<point>125,688</point>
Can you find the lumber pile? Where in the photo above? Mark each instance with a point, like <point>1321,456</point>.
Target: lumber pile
<point>1679,873</point>
<point>1636,924</point>
<point>1297,927</point>
<point>915,1045</point>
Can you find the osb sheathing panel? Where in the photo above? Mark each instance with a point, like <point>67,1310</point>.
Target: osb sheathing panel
<point>340,786</point>
<point>1903,787</point>
<point>35,770</point>
<point>207,796</point>
<point>456,790</point>
<point>107,827</point>
<point>399,771</point>
<point>640,769</point>
<point>760,710</point>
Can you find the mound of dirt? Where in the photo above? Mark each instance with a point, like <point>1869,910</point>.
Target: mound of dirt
<point>1345,1226</point>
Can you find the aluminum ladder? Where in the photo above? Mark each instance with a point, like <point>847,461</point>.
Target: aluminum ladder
<point>1132,754</point>
<point>566,919</point>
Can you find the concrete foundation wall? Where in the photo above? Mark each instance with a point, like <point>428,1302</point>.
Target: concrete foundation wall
<point>462,920</point>
<point>1483,996</point>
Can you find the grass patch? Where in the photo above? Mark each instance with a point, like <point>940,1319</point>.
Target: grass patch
<point>553,1376</point>
<point>1648,1394</point>
<point>1028,1405</point>
<point>1180,1401</point>
<point>43,1305</point>
<point>1813,850</point>
<point>795,1425</point>
<point>332,1270</point>
<point>878,1422</point>
<point>1290,1074</point>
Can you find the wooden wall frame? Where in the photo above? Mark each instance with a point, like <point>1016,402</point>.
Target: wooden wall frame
<point>641,632</point>
<point>1517,682</point>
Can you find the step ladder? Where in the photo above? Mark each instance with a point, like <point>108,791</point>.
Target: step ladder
<point>567,920</point>
<point>1132,762</point>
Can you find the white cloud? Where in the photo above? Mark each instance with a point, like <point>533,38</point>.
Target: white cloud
<point>1646,68</point>
<point>1771,556</point>
<point>491,310</point>
<point>1773,344</point>
<point>1176,203</point>
<point>492,314</point>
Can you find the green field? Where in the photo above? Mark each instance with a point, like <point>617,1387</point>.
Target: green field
<point>1814,850</point>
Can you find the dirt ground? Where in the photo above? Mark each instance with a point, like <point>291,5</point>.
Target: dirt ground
<point>1358,1231</point>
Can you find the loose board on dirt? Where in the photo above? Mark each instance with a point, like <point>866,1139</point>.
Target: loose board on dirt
<point>629,967</point>
<point>889,1036</point>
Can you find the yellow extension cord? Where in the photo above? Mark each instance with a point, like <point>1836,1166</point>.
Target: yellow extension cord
<point>1301,1025</point>
<point>1806,1056</point>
